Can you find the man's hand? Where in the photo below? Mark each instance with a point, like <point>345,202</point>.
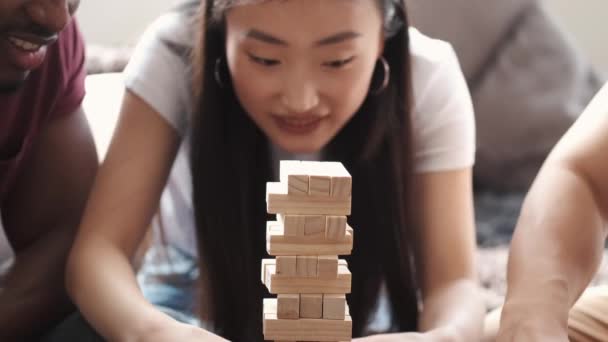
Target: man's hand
<point>530,332</point>
<point>533,329</point>
<point>533,321</point>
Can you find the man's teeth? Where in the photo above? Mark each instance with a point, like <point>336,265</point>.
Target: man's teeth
<point>25,45</point>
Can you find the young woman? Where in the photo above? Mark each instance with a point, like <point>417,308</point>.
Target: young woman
<point>337,80</point>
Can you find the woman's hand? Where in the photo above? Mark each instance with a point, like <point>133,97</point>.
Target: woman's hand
<point>437,335</point>
<point>176,331</point>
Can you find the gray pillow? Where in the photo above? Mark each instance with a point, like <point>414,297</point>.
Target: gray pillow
<point>474,27</point>
<point>525,99</point>
<point>527,80</point>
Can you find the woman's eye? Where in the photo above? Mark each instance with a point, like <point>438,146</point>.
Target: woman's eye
<point>339,63</point>
<point>263,61</point>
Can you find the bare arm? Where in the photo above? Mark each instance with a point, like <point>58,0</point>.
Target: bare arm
<point>558,242</point>
<point>452,308</point>
<point>124,198</point>
<point>41,215</point>
<point>450,294</point>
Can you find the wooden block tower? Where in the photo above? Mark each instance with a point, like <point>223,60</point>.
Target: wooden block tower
<point>311,201</point>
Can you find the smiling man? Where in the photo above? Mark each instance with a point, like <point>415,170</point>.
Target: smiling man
<point>47,159</point>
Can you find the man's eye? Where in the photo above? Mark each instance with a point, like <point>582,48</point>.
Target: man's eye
<point>263,61</point>
<point>339,63</point>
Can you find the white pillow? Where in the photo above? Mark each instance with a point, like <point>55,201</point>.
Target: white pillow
<point>101,104</point>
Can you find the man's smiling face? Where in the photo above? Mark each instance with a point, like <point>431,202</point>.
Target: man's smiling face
<point>27,28</point>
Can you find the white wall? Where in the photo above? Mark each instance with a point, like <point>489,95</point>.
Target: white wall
<point>118,21</point>
<point>586,21</point>
<point>122,21</point>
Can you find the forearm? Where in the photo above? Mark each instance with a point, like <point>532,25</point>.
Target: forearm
<point>557,245</point>
<point>455,312</point>
<point>33,296</point>
<point>107,292</point>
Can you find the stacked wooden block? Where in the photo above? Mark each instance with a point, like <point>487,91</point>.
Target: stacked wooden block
<point>311,201</point>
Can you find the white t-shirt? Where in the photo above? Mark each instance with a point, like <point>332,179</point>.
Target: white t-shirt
<point>159,72</point>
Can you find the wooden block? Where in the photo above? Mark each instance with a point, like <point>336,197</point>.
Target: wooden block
<point>314,225</point>
<point>304,329</point>
<point>327,266</point>
<point>279,284</point>
<point>341,187</point>
<point>306,266</point>
<point>293,225</point>
<point>270,307</point>
<point>266,262</point>
<point>311,306</point>
<point>319,180</point>
<point>336,227</point>
<point>301,225</point>
<point>288,306</point>
<point>319,185</point>
<point>279,244</point>
<point>334,306</point>
<point>295,176</point>
<point>341,180</point>
<point>279,201</point>
<point>298,185</point>
<point>287,266</point>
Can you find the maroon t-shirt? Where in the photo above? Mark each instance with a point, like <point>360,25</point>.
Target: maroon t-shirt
<point>53,90</point>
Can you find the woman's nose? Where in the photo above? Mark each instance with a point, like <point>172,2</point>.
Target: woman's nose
<point>300,97</point>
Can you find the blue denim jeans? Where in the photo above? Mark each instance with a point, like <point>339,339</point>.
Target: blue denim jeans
<point>168,279</point>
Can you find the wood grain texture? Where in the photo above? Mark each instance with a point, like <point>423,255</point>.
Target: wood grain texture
<point>279,201</point>
<point>304,329</point>
<point>279,244</point>
<point>277,284</point>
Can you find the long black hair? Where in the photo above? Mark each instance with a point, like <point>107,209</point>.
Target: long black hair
<point>230,160</point>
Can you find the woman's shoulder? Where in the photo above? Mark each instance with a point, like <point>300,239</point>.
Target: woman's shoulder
<point>434,64</point>
<point>429,52</point>
<point>431,58</point>
<point>159,68</point>
<point>176,27</point>
<point>443,119</point>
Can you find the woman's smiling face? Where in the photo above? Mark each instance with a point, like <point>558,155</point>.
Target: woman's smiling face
<point>302,68</point>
